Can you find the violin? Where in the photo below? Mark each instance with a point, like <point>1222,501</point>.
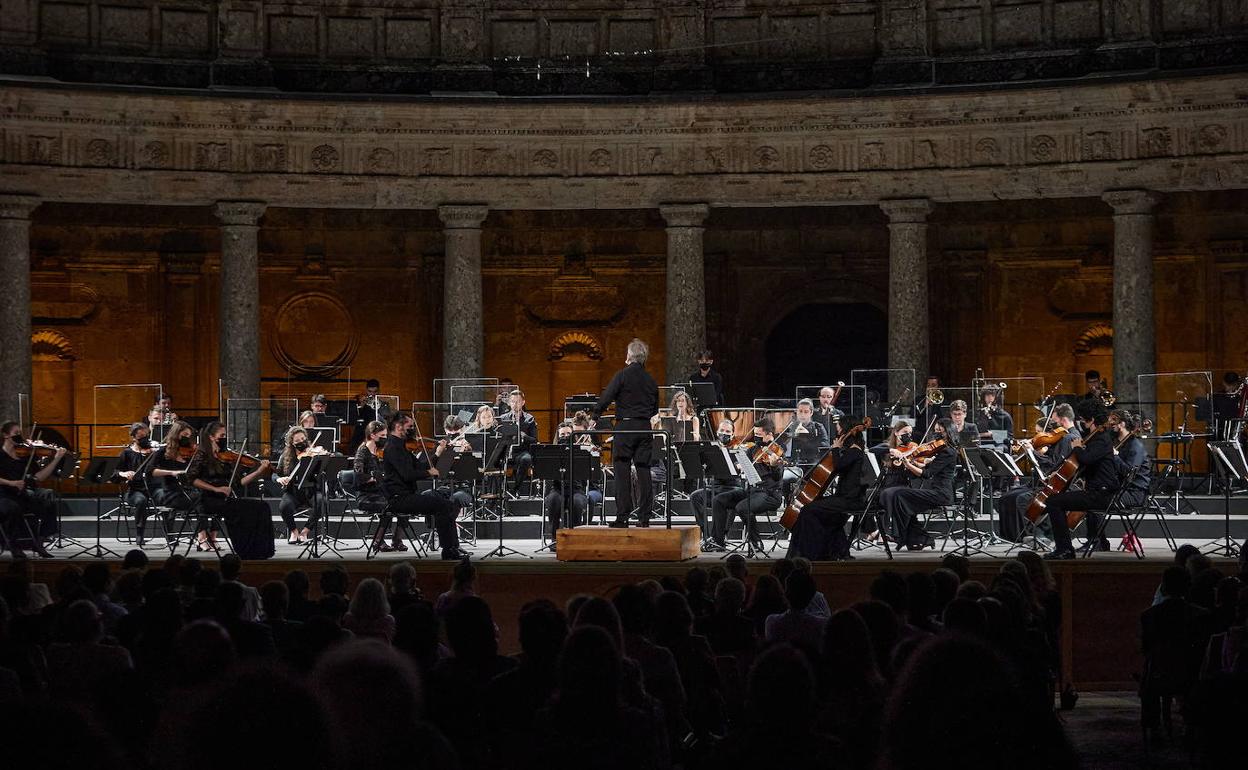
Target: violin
<point>244,460</point>
<point>1044,439</point>
<point>770,454</point>
<point>185,453</point>
<point>921,451</point>
<point>37,449</point>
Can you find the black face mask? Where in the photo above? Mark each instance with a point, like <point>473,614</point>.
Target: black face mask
<point>411,432</point>
<point>300,446</point>
<point>704,367</point>
<point>724,438</point>
<point>220,444</point>
<point>184,441</point>
<point>145,443</point>
<point>18,438</point>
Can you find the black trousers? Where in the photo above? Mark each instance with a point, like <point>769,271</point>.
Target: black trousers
<point>628,450</point>
<point>904,504</point>
<point>140,503</point>
<point>1057,506</point>
<point>14,507</point>
<point>819,533</point>
<point>295,499</point>
<point>702,500</point>
<point>577,508</point>
<point>422,504</point>
<point>744,503</point>
<point>521,464</point>
<point>1012,511</point>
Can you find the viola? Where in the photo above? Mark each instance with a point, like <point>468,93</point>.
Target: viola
<point>1044,439</point>
<point>922,451</point>
<point>770,454</point>
<point>817,480</point>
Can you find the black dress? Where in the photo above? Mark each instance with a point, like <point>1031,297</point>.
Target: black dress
<point>249,520</point>
<point>819,532</point>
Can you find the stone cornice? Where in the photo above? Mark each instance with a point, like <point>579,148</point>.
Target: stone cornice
<point>98,146</point>
<point>18,206</point>
<point>684,214</point>
<point>907,211</point>
<point>239,213</point>
<point>1131,201</point>
<point>463,217</point>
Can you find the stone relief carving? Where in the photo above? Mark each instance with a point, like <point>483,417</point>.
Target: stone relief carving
<point>155,155</point>
<point>100,152</point>
<point>822,157</point>
<point>545,161</point>
<point>380,161</point>
<point>1210,138</point>
<point>1098,145</point>
<point>600,160</point>
<point>766,158</point>
<point>324,158</point>
<point>325,353</point>
<point>1043,148</point>
<point>43,150</point>
<point>268,157</point>
<point>987,151</point>
<point>1157,142</point>
<point>874,156</point>
<point>212,156</point>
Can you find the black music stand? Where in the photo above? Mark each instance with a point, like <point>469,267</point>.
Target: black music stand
<point>320,470</point>
<point>461,468</point>
<point>874,476</point>
<point>1001,467</point>
<point>66,467</point>
<point>558,464</point>
<point>100,471</point>
<point>501,448</point>
<point>1230,461</point>
<point>978,470</point>
<point>703,461</point>
<point>702,393</point>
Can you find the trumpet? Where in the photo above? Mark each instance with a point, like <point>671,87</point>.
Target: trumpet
<point>935,396</point>
<point>1107,397</point>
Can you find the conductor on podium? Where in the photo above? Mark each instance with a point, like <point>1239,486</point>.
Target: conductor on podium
<point>636,397</point>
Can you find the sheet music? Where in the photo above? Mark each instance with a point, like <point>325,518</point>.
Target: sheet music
<point>748,471</point>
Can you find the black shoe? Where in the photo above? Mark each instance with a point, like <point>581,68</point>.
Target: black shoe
<point>1102,544</point>
<point>619,524</point>
<point>456,555</point>
<point>644,523</point>
<point>1061,555</point>
<point>714,546</point>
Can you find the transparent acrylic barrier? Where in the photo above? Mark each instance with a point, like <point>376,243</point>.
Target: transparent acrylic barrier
<point>894,390</point>
<point>579,402</point>
<point>741,417</point>
<point>261,422</point>
<point>471,398</point>
<point>1061,387</point>
<point>114,408</point>
<point>842,400</point>
<point>426,413</point>
<point>463,394</point>
<point>24,414</point>
<point>1177,403</point>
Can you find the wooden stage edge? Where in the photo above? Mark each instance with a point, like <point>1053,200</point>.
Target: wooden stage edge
<point>648,544</point>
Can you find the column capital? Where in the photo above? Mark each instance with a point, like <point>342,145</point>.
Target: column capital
<point>911,210</point>
<point>463,217</point>
<point>684,214</point>
<point>244,213</point>
<point>1131,201</point>
<point>18,206</point>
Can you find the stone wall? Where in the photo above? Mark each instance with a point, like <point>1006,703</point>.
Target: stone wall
<point>422,46</point>
<point>128,294</point>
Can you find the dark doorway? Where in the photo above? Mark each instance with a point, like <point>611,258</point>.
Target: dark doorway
<point>821,343</point>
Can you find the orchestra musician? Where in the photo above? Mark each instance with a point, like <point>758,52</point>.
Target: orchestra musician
<point>904,504</point>
<point>294,496</point>
<point>1012,505</point>
<point>1095,385</point>
<point>752,499</point>
<point>369,407</point>
<point>579,504</point>
<point>679,419</point>
<point>366,467</point>
<point>826,414</point>
<point>819,533</point>
<point>991,416</point>
<point>19,494</point>
<point>701,500</point>
<point>927,412</point>
<point>169,470</point>
<point>455,431</point>
<point>636,397</point>
<point>159,418</point>
<point>402,473</point>
<point>968,434</point>
<point>135,468</point>
<point>707,373</point>
<point>804,443</point>
<point>249,519</point>
<point>521,458</point>
<point>1107,459</point>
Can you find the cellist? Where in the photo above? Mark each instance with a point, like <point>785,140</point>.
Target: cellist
<point>1100,473</point>
<point>819,532</point>
<point>1012,505</point>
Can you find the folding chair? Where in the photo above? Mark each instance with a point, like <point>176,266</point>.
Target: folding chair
<point>1125,514</point>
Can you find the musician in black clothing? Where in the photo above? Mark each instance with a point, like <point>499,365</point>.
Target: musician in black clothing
<point>993,416</point>
<point>19,498</point>
<point>585,492</point>
<point>968,434</point>
<point>1012,505</point>
<point>524,437</point>
<point>169,468</point>
<point>702,500</point>
<point>826,413</point>
<point>819,532</point>
<point>752,499</point>
<point>804,442</point>
<point>135,468</point>
<point>636,397</point>
<point>706,373</point>
<point>402,472</point>
<point>251,528</point>
<point>1095,455</point>
<point>904,504</point>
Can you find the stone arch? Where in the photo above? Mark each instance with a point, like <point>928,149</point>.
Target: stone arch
<point>51,345</point>
<point>1098,336</point>
<point>575,346</point>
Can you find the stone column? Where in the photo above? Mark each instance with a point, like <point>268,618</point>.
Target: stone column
<point>908,331</point>
<point>1134,343</point>
<point>15,356</point>
<point>239,349</point>
<point>463,336</point>
<point>685,322</point>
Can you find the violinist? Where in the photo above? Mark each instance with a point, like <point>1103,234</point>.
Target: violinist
<point>135,468</point>
<point>819,533</point>
<point>455,429</point>
<point>702,499</point>
<point>296,447</point>
<point>524,437</point>
<point>992,416</point>
<point>214,478</point>
<point>1012,505</point>
<point>935,476</point>
<point>900,438</point>
<point>748,501</point>
<point>826,414</point>
<point>367,466</point>
<point>18,494</point>
<point>455,441</point>
<point>169,469</point>
<point>578,506</point>
<point>402,473</point>
<point>1095,455</point>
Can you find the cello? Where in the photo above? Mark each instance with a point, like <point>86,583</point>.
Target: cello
<point>816,480</point>
<point>1057,482</point>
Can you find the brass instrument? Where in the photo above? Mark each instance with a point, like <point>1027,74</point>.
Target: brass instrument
<point>1107,397</point>
<point>935,396</point>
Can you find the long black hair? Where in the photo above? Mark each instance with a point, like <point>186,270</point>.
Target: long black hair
<point>951,436</point>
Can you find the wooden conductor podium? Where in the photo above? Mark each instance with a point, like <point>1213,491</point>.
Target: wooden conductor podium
<point>653,543</point>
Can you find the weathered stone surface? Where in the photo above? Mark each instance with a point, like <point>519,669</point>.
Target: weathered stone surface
<point>686,287</point>
<point>463,344</point>
<point>239,355</point>
<point>15,361</point>
<point>908,331</point>
<point>1134,330</point>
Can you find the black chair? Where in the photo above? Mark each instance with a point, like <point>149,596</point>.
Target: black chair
<point>1126,515</point>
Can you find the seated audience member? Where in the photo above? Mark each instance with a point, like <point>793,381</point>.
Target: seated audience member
<point>368,616</point>
<point>795,625</point>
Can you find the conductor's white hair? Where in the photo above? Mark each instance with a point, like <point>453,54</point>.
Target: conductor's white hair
<point>638,351</point>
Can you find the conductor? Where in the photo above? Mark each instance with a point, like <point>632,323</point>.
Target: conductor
<point>636,397</point>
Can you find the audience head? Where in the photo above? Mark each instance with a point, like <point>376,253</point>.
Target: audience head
<point>890,587</point>
<point>729,596</point>
<point>672,617</point>
<point>972,589</point>
<point>298,583</point>
<point>780,692</point>
<point>80,623</point>
<point>543,629</point>
<point>799,590</point>
<point>597,611</point>
<point>966,616</point>
<point>334,580</point>
<point>636,611</point>
<point>231,602</point>
<point>369,601</point>
<point>1175,582</point>
<point>1037,570</point>
<point>231,566</point>
<point>885,628</point>
<point>203,653</point>
<point>945,584</point>
<point>275,599</point>
<point>129,588</point>
<point>96,578</point>
<point>463,576</point>
<point>696,581</point>
<point>470,629</point>
<point>737,567</point>
<point>402,579</point>
<point>847,646</point>
<point>781,568</point>
<point>958,564</point>
<point>589,675</point>
<point>135,559</point>
<point>768,595</point>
